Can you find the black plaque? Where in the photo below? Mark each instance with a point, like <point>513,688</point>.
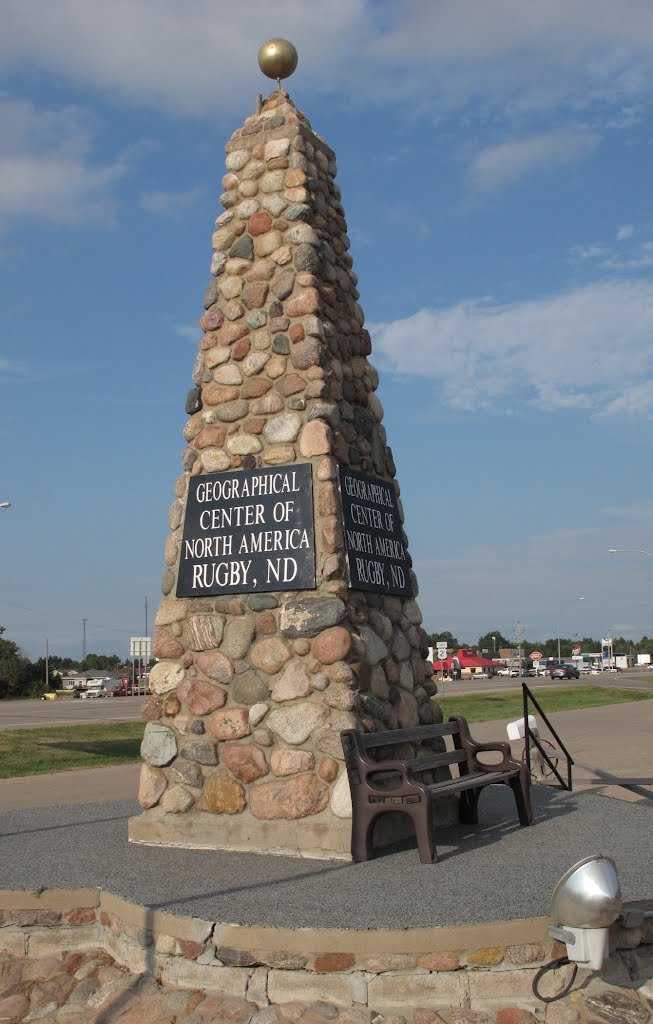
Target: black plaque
<point>373,537</point>
<point>248,531</point>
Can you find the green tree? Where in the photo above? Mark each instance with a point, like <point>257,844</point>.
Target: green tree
<point>446,638</point>
<point>493,641</point>
<point>63,665</point>
<point>18,676</point>
<point>100,663</point>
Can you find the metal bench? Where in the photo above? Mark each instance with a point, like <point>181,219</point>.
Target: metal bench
<point>379,786</point>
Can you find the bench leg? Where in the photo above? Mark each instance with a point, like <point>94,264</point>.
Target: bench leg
<point>423,821</point>
<point>468,807</point>
<point>521,789</point>
<point>362,827</point>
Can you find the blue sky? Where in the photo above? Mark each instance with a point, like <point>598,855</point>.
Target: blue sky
<point>495,160</point>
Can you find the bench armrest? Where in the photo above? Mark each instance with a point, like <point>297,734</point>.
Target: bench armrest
<point>506,762</point>
<point>362,766</point>
<point>407,783</point>
<point>472,749</point>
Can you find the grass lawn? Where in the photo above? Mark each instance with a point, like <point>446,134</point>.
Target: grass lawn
<point>479,707</point>
<point>60,748</point>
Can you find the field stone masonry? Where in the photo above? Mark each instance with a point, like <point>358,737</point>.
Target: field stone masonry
<point>251,690</point>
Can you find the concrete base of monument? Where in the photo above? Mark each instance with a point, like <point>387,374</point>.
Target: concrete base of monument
<point>307,837</point>
<point>320,837</point>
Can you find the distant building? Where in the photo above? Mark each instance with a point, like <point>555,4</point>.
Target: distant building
<point>82,679</point>
<point>464,664</point>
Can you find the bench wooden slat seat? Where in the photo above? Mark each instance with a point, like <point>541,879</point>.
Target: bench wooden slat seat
<point>379,786</point>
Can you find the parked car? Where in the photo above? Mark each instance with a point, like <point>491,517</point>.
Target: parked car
<point>565,672</point>
<point>528,673</point>
<point>514,672</point>
<point>503,672</point>
<point>480,675</point>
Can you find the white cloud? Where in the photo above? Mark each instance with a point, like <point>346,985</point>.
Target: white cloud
<point>169,204</point>
<point>10,372</point>
<point>507,162</point>
<point>45,167</point>
<point>186,331</point>
<point>628,254</point>
<point>190,58</point>
<point>199,56</point>
<point>635,400</point>
<point>588,348</point>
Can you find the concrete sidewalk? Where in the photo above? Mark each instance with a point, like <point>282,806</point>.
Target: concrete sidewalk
<point>80,786</point>
<point>616,739</point>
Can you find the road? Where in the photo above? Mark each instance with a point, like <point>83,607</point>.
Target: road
<point>632,680</point>
<point>33,714</point>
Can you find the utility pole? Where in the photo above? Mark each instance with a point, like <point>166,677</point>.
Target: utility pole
<point>47,673</point>
<point>145,616</point>
<point>83,639</point>
<point>519,640</point>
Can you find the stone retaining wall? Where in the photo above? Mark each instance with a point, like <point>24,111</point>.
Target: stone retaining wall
<point>472,966</point>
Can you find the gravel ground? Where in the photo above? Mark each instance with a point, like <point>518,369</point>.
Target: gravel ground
<point>493,871</point>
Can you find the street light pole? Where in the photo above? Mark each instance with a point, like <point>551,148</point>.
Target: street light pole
<point>629,551</point>
<point>559,659</point>
<point>558,643</point>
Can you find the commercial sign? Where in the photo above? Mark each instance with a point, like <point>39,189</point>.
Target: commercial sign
<point>536,655</point>
<point>140,647</point>
<point>248,531</point>
<point>374,543</point>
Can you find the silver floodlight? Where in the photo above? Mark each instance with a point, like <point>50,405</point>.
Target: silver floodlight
<point>586,901</point>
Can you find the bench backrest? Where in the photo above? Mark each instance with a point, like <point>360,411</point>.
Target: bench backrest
<point>357,743</point>
<point>391,737</point>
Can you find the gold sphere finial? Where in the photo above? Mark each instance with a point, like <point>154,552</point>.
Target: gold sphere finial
<point>277,58</point>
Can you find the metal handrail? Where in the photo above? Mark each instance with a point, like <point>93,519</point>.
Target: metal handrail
<point>532,737</point>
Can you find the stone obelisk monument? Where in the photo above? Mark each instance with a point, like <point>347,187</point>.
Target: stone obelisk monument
<point>289,611</point>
